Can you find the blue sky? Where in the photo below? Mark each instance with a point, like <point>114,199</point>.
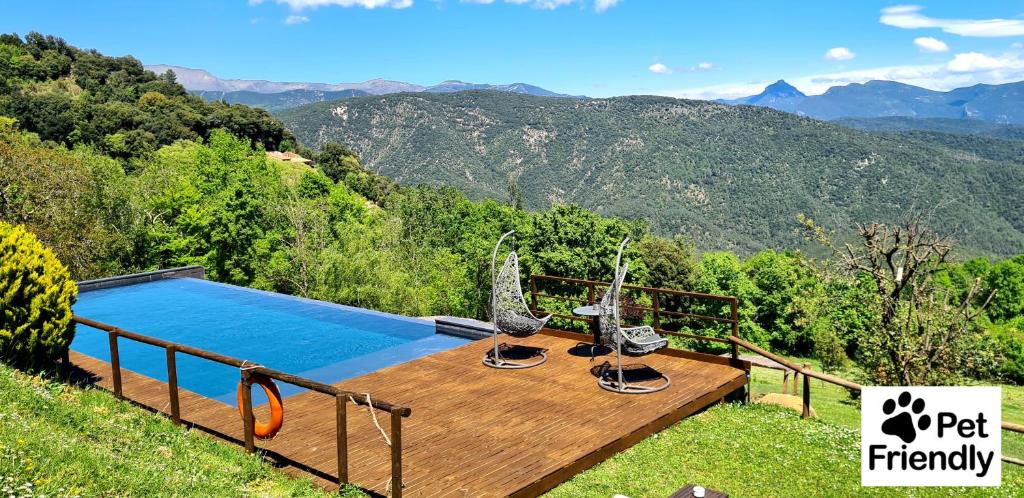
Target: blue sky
<point>591,47</point>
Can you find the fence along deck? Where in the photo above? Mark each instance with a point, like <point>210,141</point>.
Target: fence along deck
<point>475,431</point>
<point>247,371</point>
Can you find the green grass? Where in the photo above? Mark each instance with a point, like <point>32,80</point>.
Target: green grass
<point>767,451</point>
<point>59,440</point>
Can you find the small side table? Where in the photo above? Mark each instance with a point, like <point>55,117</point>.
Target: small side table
<point>687,492</point>
<point>594,312</point>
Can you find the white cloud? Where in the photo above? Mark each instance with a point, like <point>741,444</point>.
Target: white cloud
<point>910,17</point>
<point>296,19</point>
<point>599,5</point>
<point>300,5</point>
<point>703,66</point>
<point>543,4</point>
<point>603,5</point>
<point>839,54</point>
<point>929,44</point>
<point>963,70</point>
<point>659,68</point>
<point>973,61</point>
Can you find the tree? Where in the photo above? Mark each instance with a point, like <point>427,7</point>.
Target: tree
<point>1006,279</point>
<point>924,335</point>
<point>722,273</point>
<point>74,201</point>
<point>336,161</point>
<point>572,241</point>
<point>671,263</point>
<point>313,185</point>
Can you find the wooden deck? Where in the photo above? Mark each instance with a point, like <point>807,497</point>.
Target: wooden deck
<point>474,431</point>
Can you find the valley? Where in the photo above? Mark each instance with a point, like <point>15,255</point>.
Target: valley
<point>728,177</point>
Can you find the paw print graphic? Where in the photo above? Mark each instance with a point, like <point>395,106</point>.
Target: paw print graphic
<point>902,424</point>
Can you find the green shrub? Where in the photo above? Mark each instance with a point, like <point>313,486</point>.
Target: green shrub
<point>36,294</point>
<point>1010,337</point>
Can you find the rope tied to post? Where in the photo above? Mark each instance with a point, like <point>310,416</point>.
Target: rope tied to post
<point>373,415</point>
<point>383,434</point>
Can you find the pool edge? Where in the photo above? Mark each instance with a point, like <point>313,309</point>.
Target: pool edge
<point>193,271</point>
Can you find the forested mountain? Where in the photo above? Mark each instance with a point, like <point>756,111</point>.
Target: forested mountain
<point>203,80</point>
<point>280,101</point>
<point>276,96</point>
<point>523,88</point>
<point>994,103</point>
<point>941,125</point>
<point>729,177</point>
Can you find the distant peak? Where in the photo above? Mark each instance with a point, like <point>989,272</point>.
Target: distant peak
<point>782,88</point>
<point>778,90</point>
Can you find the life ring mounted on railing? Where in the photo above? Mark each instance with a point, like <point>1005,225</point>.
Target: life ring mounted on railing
<point>269,429</point>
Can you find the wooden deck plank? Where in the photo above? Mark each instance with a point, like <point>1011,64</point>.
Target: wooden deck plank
<point>474,431</point>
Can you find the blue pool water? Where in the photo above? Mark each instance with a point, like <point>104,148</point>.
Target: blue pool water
<point>313,339</point>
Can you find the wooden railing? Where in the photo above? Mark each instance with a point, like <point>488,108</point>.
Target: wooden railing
<point>657,310</point>
<point>248,370</point>
<point>831,379</point>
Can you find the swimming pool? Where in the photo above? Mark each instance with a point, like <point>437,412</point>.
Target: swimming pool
<point>320,341</point>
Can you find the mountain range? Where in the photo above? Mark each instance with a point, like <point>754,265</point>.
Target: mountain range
<point>992,103</point>
<point>275,95</point>
<point>728,177</point>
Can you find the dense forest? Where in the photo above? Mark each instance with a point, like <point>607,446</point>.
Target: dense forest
<point>728,177</point>
<point>338,232</point>
<point>72,96</point>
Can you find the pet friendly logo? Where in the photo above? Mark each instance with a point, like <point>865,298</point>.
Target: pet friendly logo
<point>931,436</point>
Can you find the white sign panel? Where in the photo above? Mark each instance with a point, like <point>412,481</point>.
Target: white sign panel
<point>931,436</point>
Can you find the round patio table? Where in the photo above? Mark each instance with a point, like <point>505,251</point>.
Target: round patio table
<point>594,312</point>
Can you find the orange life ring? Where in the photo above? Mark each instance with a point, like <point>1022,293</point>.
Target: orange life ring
<point>269,429</point>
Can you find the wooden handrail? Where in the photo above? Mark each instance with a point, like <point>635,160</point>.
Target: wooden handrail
<point>250,366</point>
<point>1012,427</point>
<point>793,366</point>
<point>808,373</point>
<point>247,370</point>
<point>635,287</point>
<point>656,309</point>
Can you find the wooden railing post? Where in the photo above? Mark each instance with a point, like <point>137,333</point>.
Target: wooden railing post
<point>172,385</point>
<point>807,394</point>
<point>341,403</point>
<point>533,292</point>
<point>248,419</point>
<point>396,454</point>
<point>65,364</point>
<point>591,293</point>
<point>115,363</point>
<point>735,327</point>
<point>656,305</point>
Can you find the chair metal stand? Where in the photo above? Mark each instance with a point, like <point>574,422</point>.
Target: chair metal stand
<point>493,358</point>
<point>618,383</point>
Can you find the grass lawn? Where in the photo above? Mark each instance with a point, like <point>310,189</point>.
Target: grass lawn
<point>763,451</point>
<point>58,440</point>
